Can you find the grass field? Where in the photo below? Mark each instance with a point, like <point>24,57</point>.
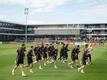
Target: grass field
<point>96,71</point>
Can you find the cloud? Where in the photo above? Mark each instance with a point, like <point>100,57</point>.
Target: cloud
<point>44,5</point>
<point>73,11</point>
<point>13,2</point>
<point>2,17</point>
<point>98,10</point>
<point>90,8</point>
<point>90,3</point>
<point>36,5</point>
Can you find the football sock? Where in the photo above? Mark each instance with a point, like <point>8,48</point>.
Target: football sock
<point>13,72</point>
<point>55,67</point>
<point>40,67</point>
<point>31,70</point>
<point>44,63</point>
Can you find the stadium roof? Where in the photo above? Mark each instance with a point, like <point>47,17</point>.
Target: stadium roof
<point>49,23</point>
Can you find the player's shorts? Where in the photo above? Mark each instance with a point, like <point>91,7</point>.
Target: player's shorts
<point>30,60</point>
<point>55,57</point>
<point>45,55</point>
<point>74,58</point>
<point>84,61</point>
<point>50,54</point>
<point>89,55</point>
<point>65,56</point>
<point>38,58</point>
<point>19,61</point>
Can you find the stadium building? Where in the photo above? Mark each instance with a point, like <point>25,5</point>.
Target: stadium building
<point>16,32</point>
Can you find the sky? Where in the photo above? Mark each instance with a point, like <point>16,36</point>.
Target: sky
<point>54,11</point>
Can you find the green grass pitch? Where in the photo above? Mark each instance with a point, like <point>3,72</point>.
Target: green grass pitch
<point>96,71</point>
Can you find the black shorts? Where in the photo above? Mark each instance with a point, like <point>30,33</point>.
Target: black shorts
<point>74,58</point>
<point>45,55</point>
<point>65,56</point>
<point>30,61</point>
<point>38,58</point>
<point>55,57</point>
<point>89,55</point>
<point>84,61</point>
<point>19,61</point>
<point>50,54</point>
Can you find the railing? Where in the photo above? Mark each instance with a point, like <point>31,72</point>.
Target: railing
<point>11,29</point>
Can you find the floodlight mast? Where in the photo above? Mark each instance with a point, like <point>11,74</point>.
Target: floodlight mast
<point>26,12</point>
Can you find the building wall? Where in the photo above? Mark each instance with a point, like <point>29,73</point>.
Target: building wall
<point>13,31</point>
<point>57,31</point>
<point>61,29</point>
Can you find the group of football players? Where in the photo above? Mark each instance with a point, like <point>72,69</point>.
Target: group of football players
<point>47,53</point>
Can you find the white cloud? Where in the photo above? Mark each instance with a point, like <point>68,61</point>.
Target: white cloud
<point>90,3</point>
<point>14,2</point>
<point>98,10</point>
<point>85,9</point>
<point>36,5</point>
<point>44,5</point>
<point>91,8</point>
<point>2,17</point>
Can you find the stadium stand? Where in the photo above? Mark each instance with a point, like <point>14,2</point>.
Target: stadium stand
<point>14,32</point>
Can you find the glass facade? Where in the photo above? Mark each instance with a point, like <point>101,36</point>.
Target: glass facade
<point>15,32</point>
<point>11,31</point>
